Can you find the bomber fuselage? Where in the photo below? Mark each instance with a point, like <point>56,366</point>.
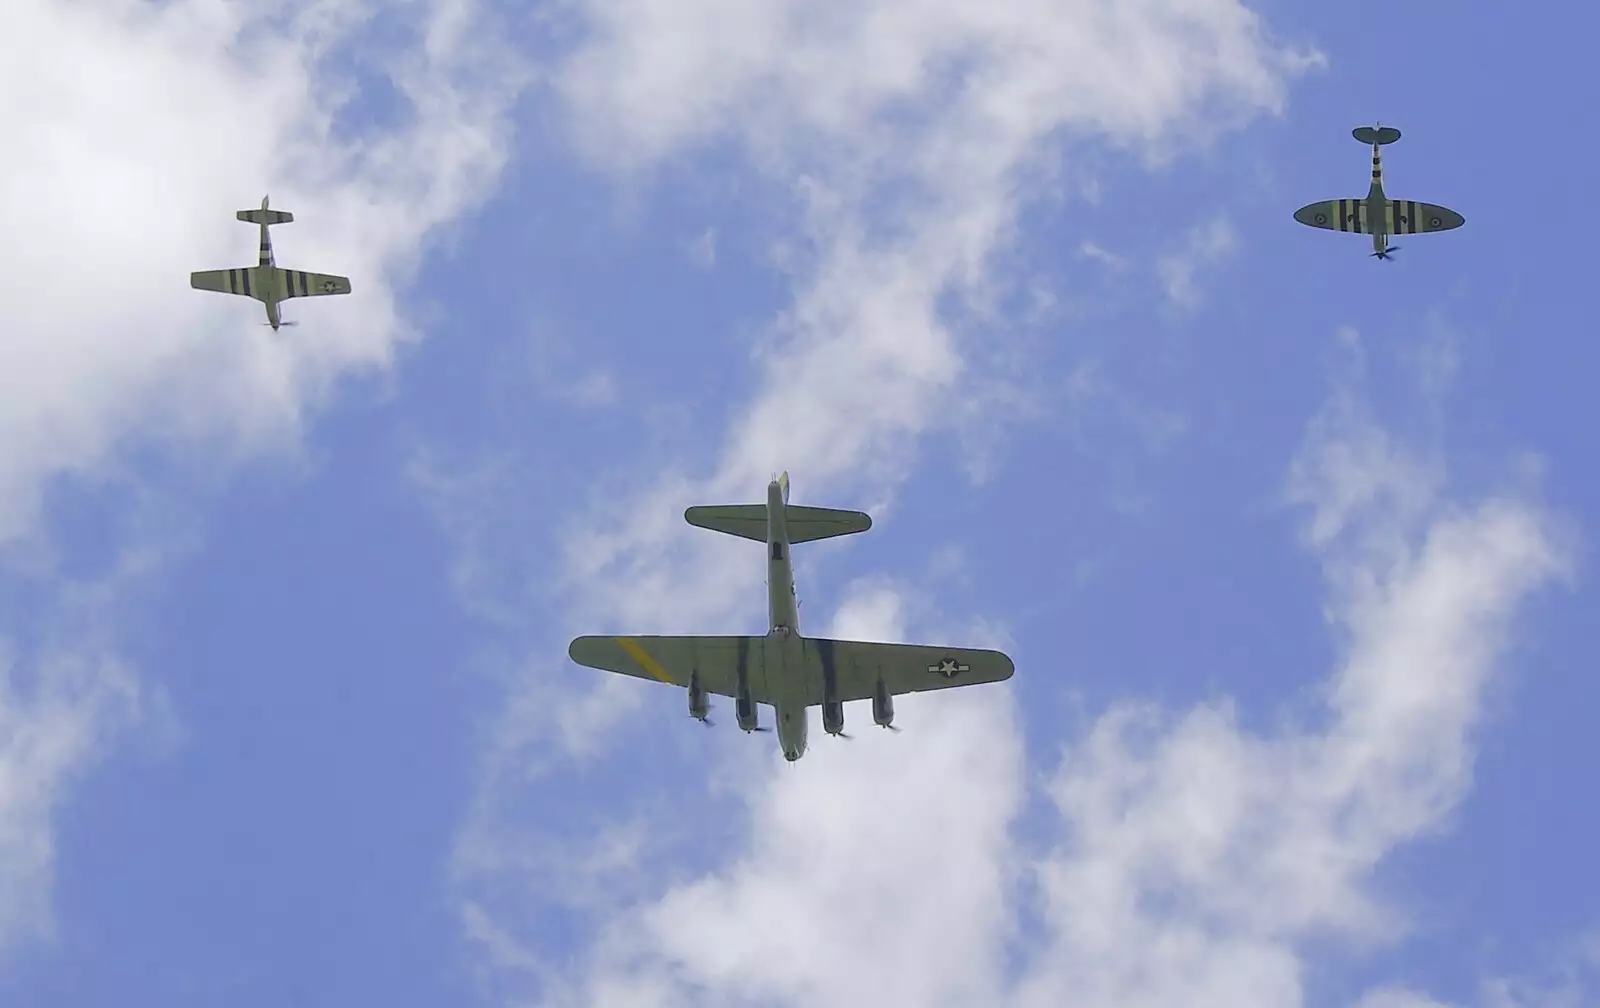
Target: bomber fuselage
<point>784,652</point>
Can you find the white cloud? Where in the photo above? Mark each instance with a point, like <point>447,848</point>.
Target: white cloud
<point>63,689</point>
<point>1089,250</point>
<point>1397,997</point>
<point>1570,979</point>
<point>46,734</point>
<point>703,249</point>
<point>1206,244</point>
<point>134,131</point>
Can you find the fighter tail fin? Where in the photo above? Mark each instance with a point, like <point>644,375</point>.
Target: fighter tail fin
<point>805,524</point>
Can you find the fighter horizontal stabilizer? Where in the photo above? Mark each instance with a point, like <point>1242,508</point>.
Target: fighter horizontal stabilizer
<point>805,524</point>
<point>1379,135</point>
<point>262,216</point>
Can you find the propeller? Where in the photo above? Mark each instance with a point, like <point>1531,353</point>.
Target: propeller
<point>844,735</point>
<point>1386,253</point>
<point>281,324</point>
<point>892,728</point>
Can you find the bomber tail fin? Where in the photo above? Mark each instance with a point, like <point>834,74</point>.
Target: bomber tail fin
<point>805,524</point>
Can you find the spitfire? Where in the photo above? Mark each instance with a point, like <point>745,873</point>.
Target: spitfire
<point>265,281</point>
<point>783,669</point>
<point>1377,215</point>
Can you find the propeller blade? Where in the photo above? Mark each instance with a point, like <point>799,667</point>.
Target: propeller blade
<point>892,728</point>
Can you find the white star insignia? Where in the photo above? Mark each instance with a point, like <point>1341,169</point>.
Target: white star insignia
<point>948,668</point>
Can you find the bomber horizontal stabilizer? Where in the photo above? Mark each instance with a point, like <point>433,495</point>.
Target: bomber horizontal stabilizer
<point>805,524</point>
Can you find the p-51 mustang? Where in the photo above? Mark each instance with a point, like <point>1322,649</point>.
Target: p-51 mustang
<point>782,668</point>
<point>1377,215</point>
<point>265,281</point>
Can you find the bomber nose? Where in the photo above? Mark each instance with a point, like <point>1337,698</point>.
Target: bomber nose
<point>791,755</point>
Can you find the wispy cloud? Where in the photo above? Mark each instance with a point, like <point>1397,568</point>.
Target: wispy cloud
<point>703,249</point>
<point>1205,245</point>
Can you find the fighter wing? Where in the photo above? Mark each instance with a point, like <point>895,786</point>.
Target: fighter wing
<point>225,281</point>
<point>1411,217</point>
<point>905,668</point>
<point>1336,215</point>
<point>298,283</point>
<point>719,660</point>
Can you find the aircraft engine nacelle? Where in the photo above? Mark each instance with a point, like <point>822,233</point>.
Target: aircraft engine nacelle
<point>744,707</point>
<point>832,717</point>
<point>699,703</point>
<point>882,706</point>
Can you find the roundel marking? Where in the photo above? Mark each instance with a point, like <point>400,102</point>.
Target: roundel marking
<point>1321,218</point>
<point>1434,222</point>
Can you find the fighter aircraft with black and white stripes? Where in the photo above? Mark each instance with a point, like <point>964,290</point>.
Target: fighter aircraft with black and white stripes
<point>265,281</point>
<point>782,668</point>
<point>1377,215</point>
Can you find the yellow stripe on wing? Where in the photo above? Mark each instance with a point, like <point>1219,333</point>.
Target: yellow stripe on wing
<point>646,662</point>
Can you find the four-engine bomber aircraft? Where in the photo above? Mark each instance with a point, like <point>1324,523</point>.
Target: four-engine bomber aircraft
<point>266,282</point>
<point>782,668</point>
<point>1377,215</point>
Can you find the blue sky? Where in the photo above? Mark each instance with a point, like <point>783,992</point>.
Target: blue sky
<point>1289,545</point>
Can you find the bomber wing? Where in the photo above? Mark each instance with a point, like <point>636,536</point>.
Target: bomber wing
<point>719,660</point>
<point>855,666</point>
<point>905,668</point>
